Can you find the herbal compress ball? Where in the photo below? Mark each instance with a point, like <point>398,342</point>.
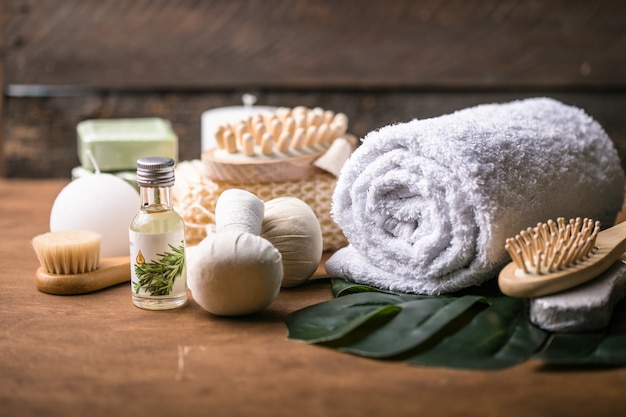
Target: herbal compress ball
<point>292,227</point>
<point>234,271</point>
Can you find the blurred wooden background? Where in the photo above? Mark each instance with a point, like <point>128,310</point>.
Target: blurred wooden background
<point>379,61</point>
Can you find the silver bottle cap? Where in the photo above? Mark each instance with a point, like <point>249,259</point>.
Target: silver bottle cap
<point>155,171</point>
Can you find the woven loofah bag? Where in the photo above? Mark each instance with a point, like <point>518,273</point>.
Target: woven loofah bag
<point>195,195</point>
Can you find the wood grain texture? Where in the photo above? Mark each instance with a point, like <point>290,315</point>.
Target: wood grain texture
<point>98,355</point>
<point>2,91</point>
<point>313,43</point>
<point>379,62</point>
<point>40,133</point>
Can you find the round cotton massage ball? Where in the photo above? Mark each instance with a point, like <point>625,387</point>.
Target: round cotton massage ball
<point>234,273</point>
<point>292,227</point>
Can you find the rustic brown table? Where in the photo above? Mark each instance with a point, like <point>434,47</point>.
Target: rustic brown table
<point>98,355</point>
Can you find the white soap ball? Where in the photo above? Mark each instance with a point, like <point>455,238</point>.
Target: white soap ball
<point>292,227</point>
<point>234,273</point>
<point>102,203</point>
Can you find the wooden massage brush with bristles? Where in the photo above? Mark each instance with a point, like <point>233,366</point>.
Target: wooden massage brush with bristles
<point>278,145</point>
<point>71,264</point>
<point>556,256</point>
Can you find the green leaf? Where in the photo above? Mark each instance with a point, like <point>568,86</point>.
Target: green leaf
<point>603,348</point>
<point>334,319</point>
<point>451,331</point>
<point>341,287</point>
<point>418,322</point>
<point>498,337</point>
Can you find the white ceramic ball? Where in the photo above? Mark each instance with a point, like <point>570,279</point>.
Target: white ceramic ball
<point>102,203</point>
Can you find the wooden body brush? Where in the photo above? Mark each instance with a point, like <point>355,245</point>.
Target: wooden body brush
<point>70,263</point>
<point>280,145</point>
<point>556,256</point>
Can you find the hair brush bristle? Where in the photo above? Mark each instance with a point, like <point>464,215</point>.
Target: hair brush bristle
<point>553,246</point>
<point>68,252</point>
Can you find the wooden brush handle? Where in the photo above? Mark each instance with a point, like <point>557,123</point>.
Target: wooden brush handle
<point>111,271</point>
<point>614,237</point>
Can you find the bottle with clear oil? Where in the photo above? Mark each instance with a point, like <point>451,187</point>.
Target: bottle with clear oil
<point>157,240</point>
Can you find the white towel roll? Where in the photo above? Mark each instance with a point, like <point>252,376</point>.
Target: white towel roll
<point>427,205</point>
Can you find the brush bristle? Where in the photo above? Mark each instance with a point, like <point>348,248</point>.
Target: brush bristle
<point>68,252</point>
<point>282,131</point>
<point>553,246</point>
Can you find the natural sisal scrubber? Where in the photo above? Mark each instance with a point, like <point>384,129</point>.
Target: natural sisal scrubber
<point>287,152</point>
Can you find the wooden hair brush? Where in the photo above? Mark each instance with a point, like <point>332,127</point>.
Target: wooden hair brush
<point>556,256</point>
<point>70,263</point>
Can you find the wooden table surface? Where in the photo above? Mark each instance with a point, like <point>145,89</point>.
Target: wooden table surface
<point>98,355</point>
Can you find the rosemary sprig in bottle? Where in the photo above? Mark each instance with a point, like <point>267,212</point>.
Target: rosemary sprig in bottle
<point>157,277</point>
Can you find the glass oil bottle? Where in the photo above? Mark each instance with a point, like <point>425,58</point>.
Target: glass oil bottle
<point>157,240</point>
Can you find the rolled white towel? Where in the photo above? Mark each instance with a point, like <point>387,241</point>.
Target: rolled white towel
<point>427,205</point>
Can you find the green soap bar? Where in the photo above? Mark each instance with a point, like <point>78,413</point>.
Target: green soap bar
<point>116,144</point>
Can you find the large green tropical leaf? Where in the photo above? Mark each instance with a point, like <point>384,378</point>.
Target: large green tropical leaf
<point>419,321</point>
<point>334,319</point>
<point>341,287</point>
<point>606,348</point>
<point>477,329</point>
<point>498,337</point>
